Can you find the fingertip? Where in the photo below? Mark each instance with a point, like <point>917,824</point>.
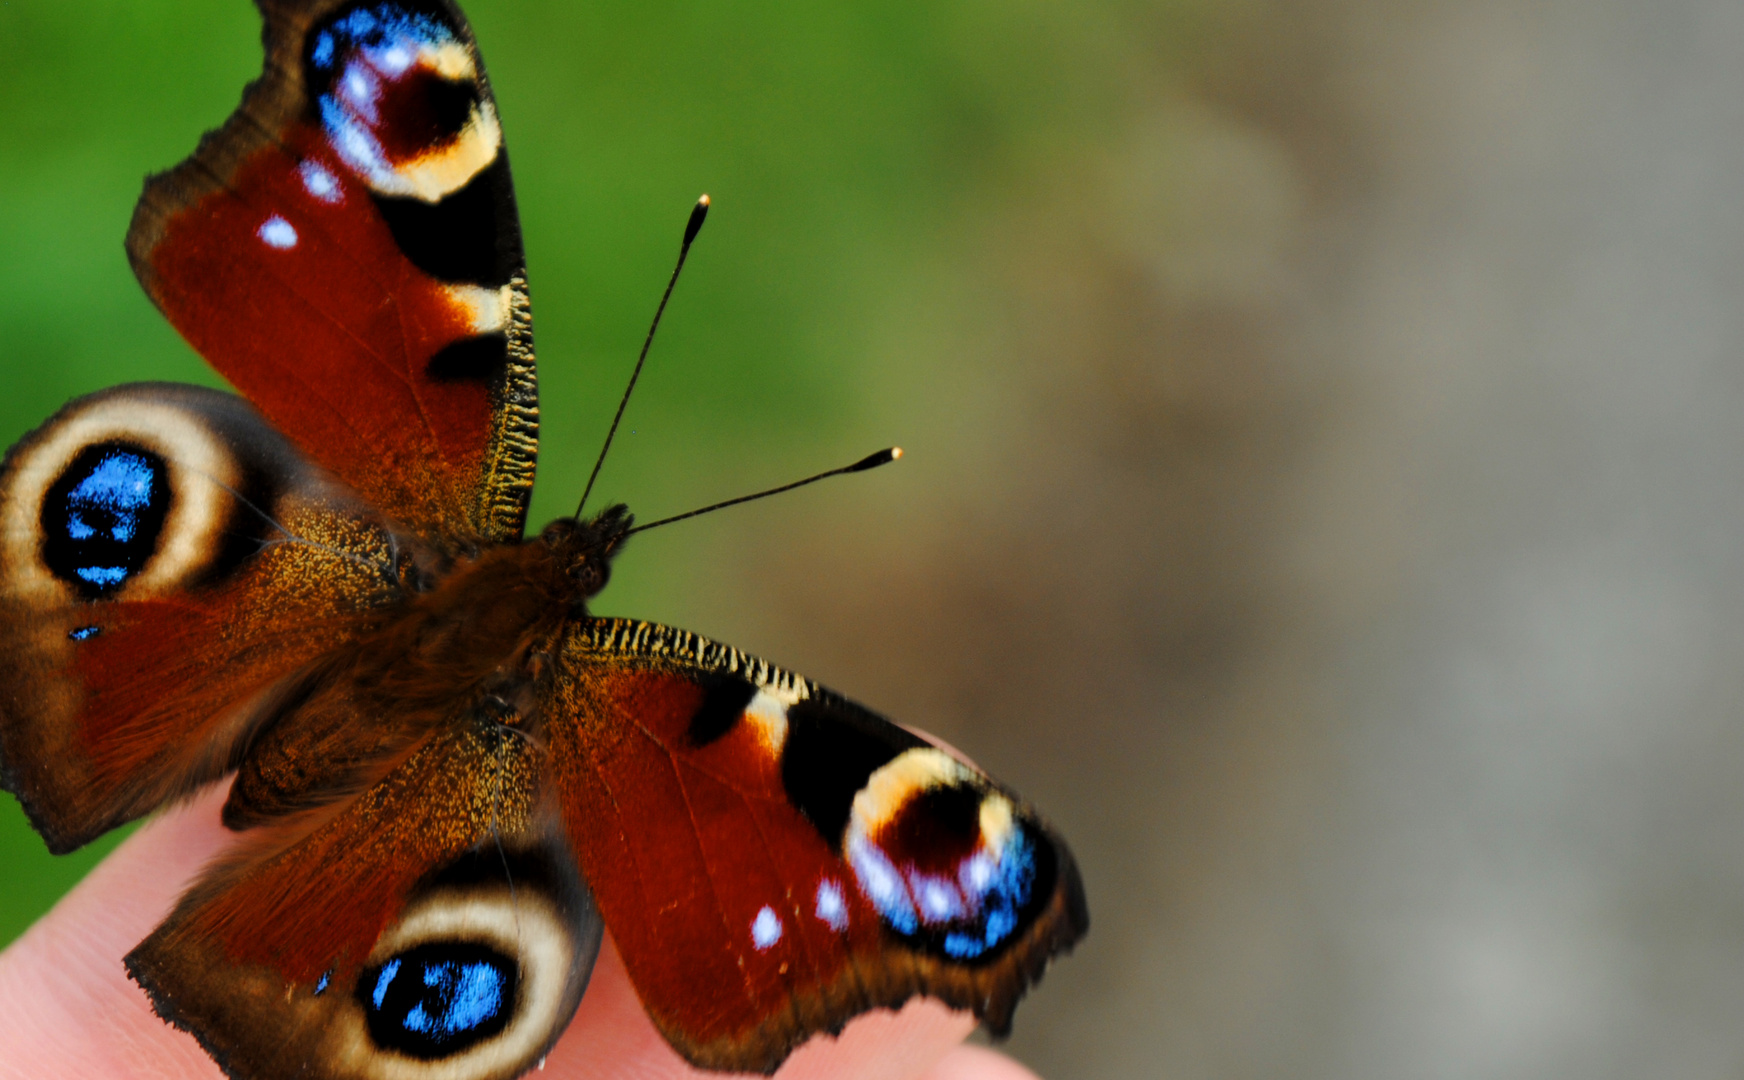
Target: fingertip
<point>883,1045</point>
<point>978,1063</point>
<point>67,1006</point>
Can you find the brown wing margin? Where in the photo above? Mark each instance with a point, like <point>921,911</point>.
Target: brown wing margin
<point>374,308</point>
<point>773,860</point>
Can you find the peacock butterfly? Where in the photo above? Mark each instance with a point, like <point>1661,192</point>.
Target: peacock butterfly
<point>450,777</point>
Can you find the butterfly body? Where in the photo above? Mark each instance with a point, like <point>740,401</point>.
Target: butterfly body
<point>473,638</point>
<point>447,777</point>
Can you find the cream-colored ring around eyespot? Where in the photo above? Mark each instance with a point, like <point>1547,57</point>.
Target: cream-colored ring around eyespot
<point>524,925</point>
<point>202,474</point>
<point>915,772</point>
<point>440,172</point>
<point>905,776</point>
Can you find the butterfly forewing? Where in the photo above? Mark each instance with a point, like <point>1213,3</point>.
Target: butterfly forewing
<point>346,251</point>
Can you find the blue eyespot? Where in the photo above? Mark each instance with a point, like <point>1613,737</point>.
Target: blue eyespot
<point>938,878</point>
<point>1003,892</point>
<point>84,632</point>
<point>102,517</point>
<point>384,97</point>
<point>375,27</point>
<point>439,999</point>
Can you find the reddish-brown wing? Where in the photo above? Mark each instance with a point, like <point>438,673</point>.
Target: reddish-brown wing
<point>773,860</point>
<point>433,927</point>
<point>345,250</point>
<point>166,562</point>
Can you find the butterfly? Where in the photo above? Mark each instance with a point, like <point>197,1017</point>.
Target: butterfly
<point>449,778</point>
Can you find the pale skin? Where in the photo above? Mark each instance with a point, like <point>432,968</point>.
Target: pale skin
<point>68,1009</point>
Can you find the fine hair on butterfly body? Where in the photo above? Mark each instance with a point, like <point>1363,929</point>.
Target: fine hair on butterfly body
<point>449,777</point>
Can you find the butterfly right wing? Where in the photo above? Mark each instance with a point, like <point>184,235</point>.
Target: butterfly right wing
<point>773,859</point>
<point>167,562</point>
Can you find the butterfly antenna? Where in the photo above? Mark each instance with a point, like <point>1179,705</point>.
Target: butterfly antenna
<point>691,228</point>
<point>870,461</point>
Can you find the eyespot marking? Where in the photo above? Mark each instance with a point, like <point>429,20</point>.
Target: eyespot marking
<point>188,525</point>
<point>399,97</point>
<point>460,237</point>
<point>486,975</point>
<point>102,518</point>
<point>828,752</point>
<point>438,999</point>
<point>944,858</point>
<point>84,632</point>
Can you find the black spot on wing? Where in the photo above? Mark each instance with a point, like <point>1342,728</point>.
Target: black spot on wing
<point>832,748</point>
<point>475,358</point>
<point>447,106</point>
<point>439,999</point>
<point>470,236</point>
<point>102,518</point>
<point>724,701</point>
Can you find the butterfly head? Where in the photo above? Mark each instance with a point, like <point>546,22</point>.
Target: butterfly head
<point>585,547</point>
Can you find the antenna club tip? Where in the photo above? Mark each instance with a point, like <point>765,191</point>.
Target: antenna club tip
<point>872,461</point>
<point>694,225</point>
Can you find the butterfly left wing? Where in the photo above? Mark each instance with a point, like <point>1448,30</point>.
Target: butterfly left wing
<point>170,567</point>
<point>773,860</point>
<point>433,928</point>
<point>345,250</point>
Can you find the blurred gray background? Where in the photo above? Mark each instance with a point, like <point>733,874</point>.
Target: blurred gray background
<point>1358,547</point>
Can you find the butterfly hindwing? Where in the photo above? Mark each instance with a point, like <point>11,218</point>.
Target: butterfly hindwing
<point>345,250</point>
<point>773,859</point>
<point>433,928</point>
<point>166,561</point>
